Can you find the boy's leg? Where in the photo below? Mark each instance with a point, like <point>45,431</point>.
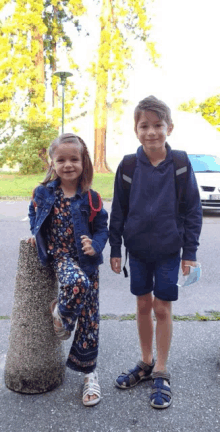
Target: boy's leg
<point>145,326</point>
<point>163,314</point>
<point>166,291</point>
<point>141,286</point>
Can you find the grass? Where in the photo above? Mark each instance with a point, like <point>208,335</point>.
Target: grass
<point>21,186</point>
<point>213,316</point>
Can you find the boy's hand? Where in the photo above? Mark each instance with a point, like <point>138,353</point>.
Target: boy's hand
<point>116,264</point>
<point>87,248</point>
<point>32,241</point>
<point>185,266</point>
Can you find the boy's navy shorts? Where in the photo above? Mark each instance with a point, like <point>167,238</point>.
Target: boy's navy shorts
<point>159,277</point>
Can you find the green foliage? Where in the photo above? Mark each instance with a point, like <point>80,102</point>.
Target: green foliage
<point>29,147</point>
<point>18,185</point>
<point>209,108</point>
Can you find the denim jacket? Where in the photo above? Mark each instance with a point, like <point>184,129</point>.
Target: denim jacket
<point>41,206</point>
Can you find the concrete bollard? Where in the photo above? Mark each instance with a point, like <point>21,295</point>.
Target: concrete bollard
<point>35,361</point>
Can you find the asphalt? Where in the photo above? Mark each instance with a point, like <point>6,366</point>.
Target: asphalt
<point>194,364</point>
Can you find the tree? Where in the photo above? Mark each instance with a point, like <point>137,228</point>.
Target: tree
<point>119,21</point>
<point>209,108</point>
<point>24,57</point>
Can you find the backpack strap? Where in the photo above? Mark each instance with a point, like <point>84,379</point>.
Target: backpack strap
<point>95,203</point>
<point>181,162</point>
<point>127,172</point>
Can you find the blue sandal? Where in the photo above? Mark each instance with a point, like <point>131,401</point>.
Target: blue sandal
<point>161,396</point>
<point>132,377</point>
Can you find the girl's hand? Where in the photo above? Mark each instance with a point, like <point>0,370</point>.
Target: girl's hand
<point>87,248</point>
<point>32,241</point>
<point>116,264</point>
<point>185,266</point>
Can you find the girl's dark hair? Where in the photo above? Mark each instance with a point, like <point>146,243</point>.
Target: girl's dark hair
<point>151,103</point>
<point>86,177</point>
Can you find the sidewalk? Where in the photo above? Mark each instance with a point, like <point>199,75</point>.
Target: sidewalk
<point>195,384</point>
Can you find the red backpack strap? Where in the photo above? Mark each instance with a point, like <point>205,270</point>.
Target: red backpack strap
<point>95,203</point>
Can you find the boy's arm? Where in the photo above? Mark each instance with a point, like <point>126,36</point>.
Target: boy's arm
<point>117,217</point>
<point>193,218</point>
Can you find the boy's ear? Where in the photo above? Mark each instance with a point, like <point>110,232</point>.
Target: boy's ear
<point>170,128</point>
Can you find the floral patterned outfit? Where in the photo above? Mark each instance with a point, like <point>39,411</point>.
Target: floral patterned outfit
<point>79,294</point>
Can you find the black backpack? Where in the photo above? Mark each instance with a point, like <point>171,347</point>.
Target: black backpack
<point>181,162</point>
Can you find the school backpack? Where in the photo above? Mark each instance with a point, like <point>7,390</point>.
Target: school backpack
<point>95,204</point>
<point>180,160</point>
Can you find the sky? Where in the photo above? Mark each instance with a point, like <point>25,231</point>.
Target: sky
<point>187,36</point>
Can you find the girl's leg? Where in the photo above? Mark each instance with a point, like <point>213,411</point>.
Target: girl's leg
<point>163,314</point>
<point>74,285</point>
<point>84,351</point>
<point>145,326</point>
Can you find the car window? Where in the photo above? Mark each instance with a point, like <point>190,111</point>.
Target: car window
<point>204,163</point>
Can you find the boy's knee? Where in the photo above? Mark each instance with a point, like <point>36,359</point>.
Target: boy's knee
<point>162,309</point>
<point>145,304</point>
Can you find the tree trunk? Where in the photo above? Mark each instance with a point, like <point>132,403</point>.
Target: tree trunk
<point>39,60</point>
<point>100,112</point>
<point>54,62</point>
<point>54,92</point>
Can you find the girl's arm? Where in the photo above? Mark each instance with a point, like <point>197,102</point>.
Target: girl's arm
<point>32,215</point>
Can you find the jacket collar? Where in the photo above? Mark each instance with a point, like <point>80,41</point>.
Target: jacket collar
<point>55,183</point>
<point>141,155</point>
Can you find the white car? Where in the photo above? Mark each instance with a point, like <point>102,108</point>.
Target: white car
<point>207,172</point>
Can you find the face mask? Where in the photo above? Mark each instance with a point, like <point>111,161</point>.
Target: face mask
<point>193,276</point>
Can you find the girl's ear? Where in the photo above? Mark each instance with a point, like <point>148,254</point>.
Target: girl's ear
<point>170,129</point>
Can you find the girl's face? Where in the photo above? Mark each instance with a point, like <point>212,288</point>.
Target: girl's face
<point>67,162</point>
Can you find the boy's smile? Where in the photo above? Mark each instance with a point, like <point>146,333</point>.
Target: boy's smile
<point>152,132</point>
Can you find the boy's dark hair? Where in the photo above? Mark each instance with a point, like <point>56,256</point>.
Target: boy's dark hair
<point>86,177</point>
<point>151,103</point>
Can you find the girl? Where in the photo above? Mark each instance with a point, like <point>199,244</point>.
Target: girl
<point>59,218</point>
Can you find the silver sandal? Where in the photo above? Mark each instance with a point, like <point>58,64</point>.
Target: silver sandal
<point>91,388</point>
<point>61,332</point>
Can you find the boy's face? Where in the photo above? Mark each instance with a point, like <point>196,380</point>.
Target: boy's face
<point>152,132</point>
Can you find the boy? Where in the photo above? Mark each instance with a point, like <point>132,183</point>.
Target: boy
<point>154,232</point>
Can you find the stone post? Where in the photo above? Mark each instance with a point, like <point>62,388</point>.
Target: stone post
<point>35,361</point>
